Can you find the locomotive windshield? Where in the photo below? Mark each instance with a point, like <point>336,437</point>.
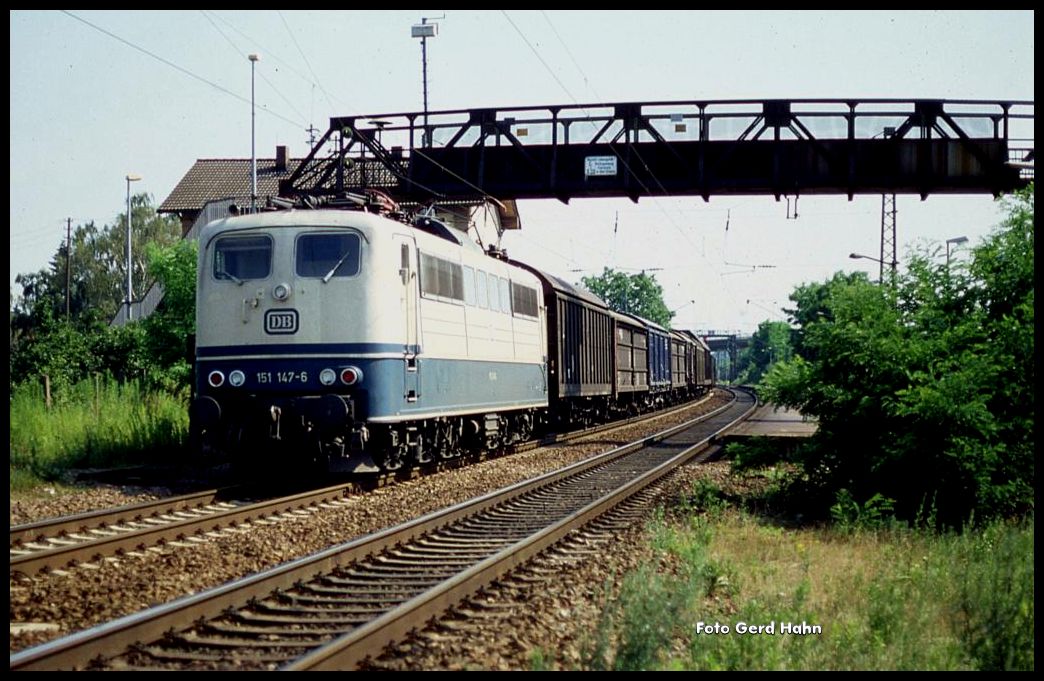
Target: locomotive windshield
<point>328,255</point>
<point>238,258</point>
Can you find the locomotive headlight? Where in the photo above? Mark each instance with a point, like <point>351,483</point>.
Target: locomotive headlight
<point>236,378</point>
<point>281,291</point>
<point>351,375</point>
<point>216,379</point>
<point>327,376</point>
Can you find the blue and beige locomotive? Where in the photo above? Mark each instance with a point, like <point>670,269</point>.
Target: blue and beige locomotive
<point>362,341</point>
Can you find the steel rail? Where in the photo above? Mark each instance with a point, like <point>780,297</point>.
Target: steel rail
<point>139,538</point>
<point>569,436</point>
<point>372,638</point>
<point>84,522</point>
<point>78,650</point>
<point>26,559</point>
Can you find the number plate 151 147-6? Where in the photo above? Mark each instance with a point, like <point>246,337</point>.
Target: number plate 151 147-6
<point>282,377</point>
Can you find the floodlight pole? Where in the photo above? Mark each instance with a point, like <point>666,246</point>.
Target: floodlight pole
<point>424,30</point>
<point>424,73</point>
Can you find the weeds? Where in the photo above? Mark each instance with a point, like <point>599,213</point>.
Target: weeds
<point>885,596</point>
<point>95,423</point>
<point>994,602</point>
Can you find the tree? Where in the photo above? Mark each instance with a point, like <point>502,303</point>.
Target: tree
<point>43,341</point>
<point>170,329</point>
<point>157,348</point>
<point>769,344</point>
<point>636,294</point>
<point>924,393</point>
<point>98,267</point>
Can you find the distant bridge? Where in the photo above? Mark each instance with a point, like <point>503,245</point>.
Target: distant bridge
<point>703,148</point>
<point>726,346</point>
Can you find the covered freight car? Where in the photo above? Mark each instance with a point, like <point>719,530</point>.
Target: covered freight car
<point>580,346</point>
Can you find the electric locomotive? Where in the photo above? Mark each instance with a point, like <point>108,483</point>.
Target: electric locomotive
<point>361,343</point>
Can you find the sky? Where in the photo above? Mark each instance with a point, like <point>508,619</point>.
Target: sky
<point>98,95</point>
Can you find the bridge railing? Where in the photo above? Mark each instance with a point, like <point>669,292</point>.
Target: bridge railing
<point>544,144</point>
<point>712,120</point>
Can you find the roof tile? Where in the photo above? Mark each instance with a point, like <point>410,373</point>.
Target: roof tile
<point>211,179</point>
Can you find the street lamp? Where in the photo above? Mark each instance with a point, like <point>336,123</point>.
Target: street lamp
<point>130,265</point>
<point>957,240</point>
<point>856,256</point>
<point>883,264</point>
<point>254,58</point>
<point>682,307</point>
<point>424,30</point>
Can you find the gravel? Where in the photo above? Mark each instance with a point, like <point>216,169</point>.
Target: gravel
<point>545,616</point>
<point>44,607</point>
<point>52,501</point>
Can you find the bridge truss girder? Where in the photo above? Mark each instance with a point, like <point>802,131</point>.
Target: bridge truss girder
<point>772,147</point>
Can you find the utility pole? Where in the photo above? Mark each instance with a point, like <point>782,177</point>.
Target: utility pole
<point>130,263</point>
<point>68,264</point>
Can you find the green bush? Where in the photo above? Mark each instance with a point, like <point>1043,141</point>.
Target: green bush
<point>94,423</point>
<point>923,391</point>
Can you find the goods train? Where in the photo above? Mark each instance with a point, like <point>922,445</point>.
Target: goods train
<point>361,340</point>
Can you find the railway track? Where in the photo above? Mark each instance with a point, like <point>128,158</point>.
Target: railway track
<point>57,543</point>
<point>51,545</point>
<point>335,608</point>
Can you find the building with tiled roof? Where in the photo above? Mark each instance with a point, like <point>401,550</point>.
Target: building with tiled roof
<point>213,179</point>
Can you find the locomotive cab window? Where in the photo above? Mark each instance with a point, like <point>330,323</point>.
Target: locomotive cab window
<point>328,255</point>
<point>239,258</point>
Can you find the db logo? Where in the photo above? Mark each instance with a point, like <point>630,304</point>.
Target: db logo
<point>281,321</point>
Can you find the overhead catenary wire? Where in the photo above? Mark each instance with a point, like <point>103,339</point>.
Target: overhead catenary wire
<point>244,56</point>
<point>569,52</point>
<point>305,58</point>
<point>627,167</point>
<point>269,54</point>
<point>176,66</point>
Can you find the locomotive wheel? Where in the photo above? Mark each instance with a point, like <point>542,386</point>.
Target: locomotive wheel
<point>392,460</point>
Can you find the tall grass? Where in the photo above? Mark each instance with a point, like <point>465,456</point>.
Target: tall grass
<point>892,598</point>
<point>93,424</point>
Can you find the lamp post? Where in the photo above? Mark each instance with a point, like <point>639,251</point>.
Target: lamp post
<point>883,264</point>
<point>130,264</point>
<point>681,307</point>
<point>957,240</point>
<point>424,30</point>
<point>254,58</point>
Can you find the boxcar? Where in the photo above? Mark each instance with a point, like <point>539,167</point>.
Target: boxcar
<point>580,345</point>
<point>632,361</point>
